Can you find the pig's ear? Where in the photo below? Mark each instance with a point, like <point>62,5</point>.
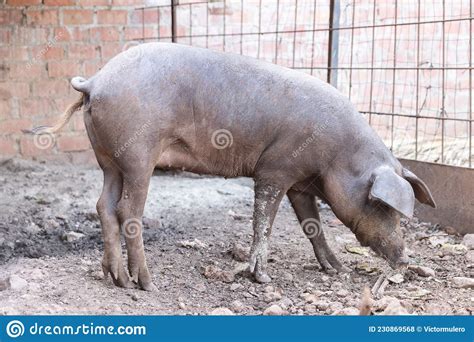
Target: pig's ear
<point>393,190</point>
<point>422,193</point>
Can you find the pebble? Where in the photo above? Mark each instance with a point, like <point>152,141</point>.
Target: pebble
<point>468,241</point>
<point>4,284</point>
<point>237,305</point>
<point>236,287</point>
<point>394,307</point>
<point>272,296</point>
<point>350,311</point>
<point>321,305</point>
<point>215,273</point>
<point>463,282</point>
<point>72,236</point>
<point>470,256</point>
<point>196,244</point>
<point>285,303</point>
<point>422,270</point>
<point>222,312</point>
<point>342,293</point>
<point>182,306</point>
<point>274,310</point>
<point>396,278</point>
<point>450,249</point>
<point>17,283</point>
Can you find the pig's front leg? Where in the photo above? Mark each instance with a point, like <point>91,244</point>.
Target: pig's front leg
<point>267,199</point>
<point>306,210</point>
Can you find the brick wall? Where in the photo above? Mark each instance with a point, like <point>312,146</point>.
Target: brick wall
<point>43,43</point>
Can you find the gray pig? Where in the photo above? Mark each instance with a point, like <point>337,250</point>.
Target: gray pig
<point>170,106</point>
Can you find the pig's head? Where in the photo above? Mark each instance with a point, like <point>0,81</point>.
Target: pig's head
<point>373,204</point>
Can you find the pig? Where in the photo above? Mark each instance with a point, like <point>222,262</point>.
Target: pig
<point>176,107</point>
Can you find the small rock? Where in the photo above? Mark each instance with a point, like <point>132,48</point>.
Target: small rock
<point>470,256</point>
<point>196,244</point>
<point>274,310</point>
<point>215,273</point>
<point>182,306</point>
<point>396,278</point>
<point>272,296</point>
<point>134,297</point>
<point>450,249</point>
<point>200,287</point>
<point>468,241</point>
<point>287,276</point>
<point>463,282</point>
<point>236,287</point>
<point>17,283</point>
<point>222,312</point>
<point>237,305</point>
<point>438,240</point>
<point>357,250</point>
<point>240,253</point>
<point>321,305</point>
<point>342,293</point>
<point>350,311</point>
<point>309,297</point>
<point>239,217</point>
<point>285,303</point>
<point>72,236</point>
<point>4,284</point>
<point>394,307</point>
<point>422,270</point>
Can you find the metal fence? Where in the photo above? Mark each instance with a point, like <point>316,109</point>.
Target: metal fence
<point>406,65</point>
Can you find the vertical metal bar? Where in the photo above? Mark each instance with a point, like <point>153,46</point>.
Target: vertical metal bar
<point>312,39</point>
<point>470,84</point>
<point>173,21</point>
<point>241,26</point>
<point>392,134</point>
<point>190,24</point>
<point>143,25</point>
<point>207,25</point>
<point>259,27</point>
<point>333,44</point>
<point>352,48</point>
<point>417,103</point>
<point>276,31</point>
<point>372,65</point>
<point>294,33</point>
<point>223,26</point>
<point>443,82</point>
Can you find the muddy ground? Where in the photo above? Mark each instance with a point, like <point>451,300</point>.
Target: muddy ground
<point>192,226</point>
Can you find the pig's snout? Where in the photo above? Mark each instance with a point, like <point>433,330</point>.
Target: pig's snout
<point>402,261</point>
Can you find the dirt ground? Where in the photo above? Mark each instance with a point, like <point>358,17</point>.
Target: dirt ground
<point>196,230</point>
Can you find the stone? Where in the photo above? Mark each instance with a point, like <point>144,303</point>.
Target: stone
<point>222,312</point>
<point>463,282</point>
<point>453,249</point>
<point>237,305</point>
<point>468,241</point>
<point>422,271</point>
<point>72,236</point>
<point>396,278</point>
<point>342,293</point>
<point>240,253</point>
<point>350,311</point>
<point>470,256</point>
<point>394,307</point>
<point>236,287</point>
<point>215,273</point>
<point>17,283</point>
<point>274,310</point>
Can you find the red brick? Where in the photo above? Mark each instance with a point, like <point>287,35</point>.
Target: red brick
<point>91,67</point>
<point>25,35</point>
<point>110,50</point>
<point>51,88</point>
<point>84,158</point>
<point>14,125</point>
<point>107,34</point>
<point>81,51</point>
<point>35,107</point>
<point>19,53</point>
<point>73,143</point>
<point>7,147</point>
<point>26,71</point>
<point>78,123</point>
<point>78,17</point>
<point>94,2</point>
<point>5,110</point>
<point>10,17</point>
<point>60,2</point>
<point>135,33</point>
<point>14,89</point>
<point>5,36</point>
<point>23,2</point>
<point>112,17</point>
<point>127,2</point>
<point>32,146</point>
<point>42,17</point>
<point>5,53</point>
<point>63,68</point>
<point>68,34</point>
<point>47,53</point>
<point>147,17</point>
<point>4,71</point>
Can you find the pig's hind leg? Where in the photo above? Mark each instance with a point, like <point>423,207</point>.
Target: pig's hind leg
<point>306,210</point>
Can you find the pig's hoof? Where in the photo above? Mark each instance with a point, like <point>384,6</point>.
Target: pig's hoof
<point>262,278</point>
<point>117,273</point>
<point>150,287</point>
